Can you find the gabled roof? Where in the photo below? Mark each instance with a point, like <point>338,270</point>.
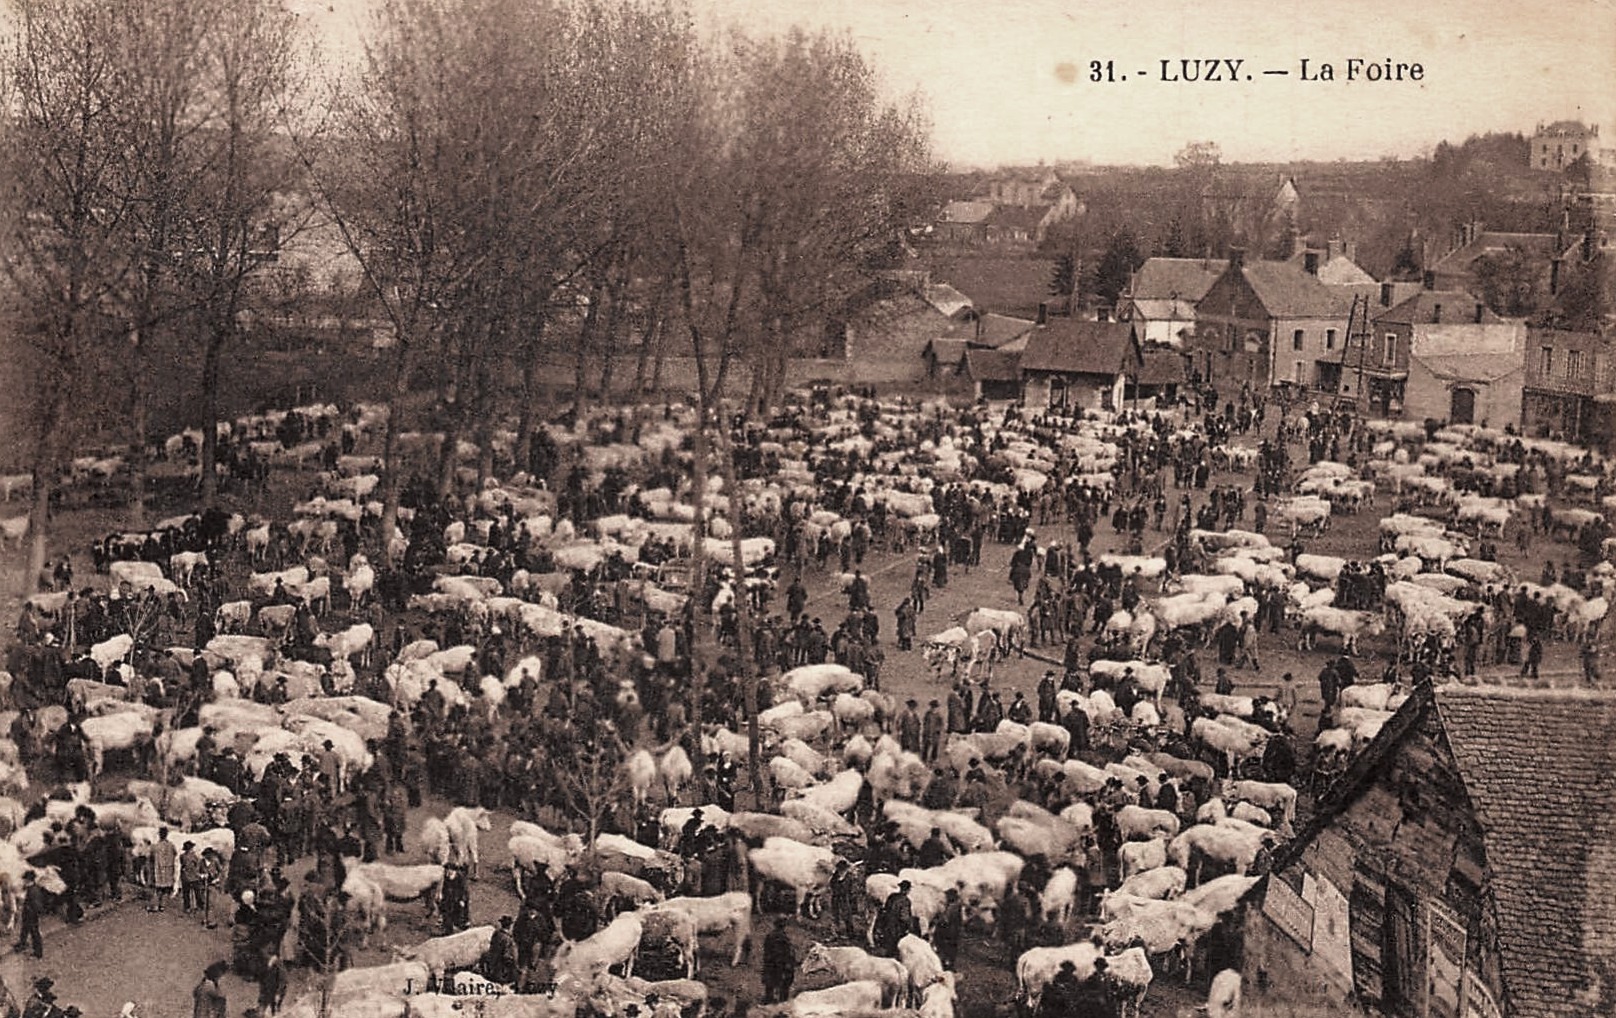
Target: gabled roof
<point>1185,278</point>
<point>1544,246</point>
<point>948,352</point>
<point>1288,292</point>
<point>1540,768</point>
<point>1075,347</point>
<point>968,212</point>
<point>1471,367</point>
<point>995,331</point>
<point>1420,309</point>
<point>992,365</point>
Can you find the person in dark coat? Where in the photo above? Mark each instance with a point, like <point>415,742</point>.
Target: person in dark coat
<point>455,900</point>
<point>933,851</point>
<point>949,928</point>
<point>1063,995</point>
<point>499,962</point>
<point>779,965</point>
<point>897,920</point>
<point>909,727</point>
<point>33,910</point>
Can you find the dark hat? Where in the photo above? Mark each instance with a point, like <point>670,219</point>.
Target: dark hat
<point>1068,966</point>
<point>505,920</point>
<point>1100,965</point>
<point>43,983</point>
<point>904,885</point>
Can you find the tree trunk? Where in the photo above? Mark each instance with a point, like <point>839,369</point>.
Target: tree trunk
<point>137,435</point>
<point>697,588</point>
<point>527,417</point>
<point>586,338</point>
<point>211,358</point>
<point>44,471</point>
<point>743,609</point>
<point>395,424</point>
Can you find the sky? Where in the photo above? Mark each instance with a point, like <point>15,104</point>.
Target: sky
<point>1008,82</point>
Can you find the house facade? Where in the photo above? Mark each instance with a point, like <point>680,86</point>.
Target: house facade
<point>1558,145</point>
<point>1078,364</point>
<point>1439,355</point>
<point>1268,324</point>
<point>1440,876</point>
<point>1569,387</point>
<point>1161,297</point>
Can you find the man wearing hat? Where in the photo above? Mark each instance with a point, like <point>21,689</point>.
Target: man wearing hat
<point>1064,994</point>
<point>897,920</point>
<point>33,909</point>
<point>844,896</point>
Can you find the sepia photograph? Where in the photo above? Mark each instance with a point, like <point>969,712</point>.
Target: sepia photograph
<point>807,509</point>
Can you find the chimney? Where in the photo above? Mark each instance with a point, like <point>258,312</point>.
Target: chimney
<point>1436,313</point>
<point>1385,295</point>
<point>1350,250</point>
<point>1429,281</point>
<point>1237,257</point>
<point>1481,309</point>
<point>1310,262</point>
<point>1333,249</point>
<point>1043,313</point>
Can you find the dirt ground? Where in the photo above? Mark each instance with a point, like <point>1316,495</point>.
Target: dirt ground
<point>122,952</point>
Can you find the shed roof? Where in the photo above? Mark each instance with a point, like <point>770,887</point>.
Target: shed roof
<point>1543,246</point>
<point>996,330</point>
<point>1540,769</point>
<point>1017,217</point>
<point>1075,347</point>
<point>946,299</point>
<point>1152,310</point>
<point>1162,367</point>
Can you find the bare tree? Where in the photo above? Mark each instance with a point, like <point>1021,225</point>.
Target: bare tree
<point>67,216</point>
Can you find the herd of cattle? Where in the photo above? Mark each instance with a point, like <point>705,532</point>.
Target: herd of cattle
<point>827,737</point>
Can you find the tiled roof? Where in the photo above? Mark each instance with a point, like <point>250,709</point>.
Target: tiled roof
<point>1420,309</point>
<point>966,212</point>
<point>1537,245</point>
<point>949,352</point>
<point>1288,292</point>
<point>1165,278</point>
<point>992,365</point>
<point>1077,347</point>
<point>1471,367</point>
<point>1162,367</point>
<point>996,330</point>
<point>1540,768</point>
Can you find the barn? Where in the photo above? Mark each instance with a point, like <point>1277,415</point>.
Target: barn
<point>1464,866</point>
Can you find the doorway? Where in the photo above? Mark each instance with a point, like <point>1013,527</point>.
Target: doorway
<point>1464,407</point>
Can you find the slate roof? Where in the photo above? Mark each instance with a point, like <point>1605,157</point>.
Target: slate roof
<point>1080,348</point>
<point>1420,309</point>
<point>1288,292</point>
<point>1540,768</point>
<point>1188,278</point>
<point>992,365</point>
<point>1472,367</point>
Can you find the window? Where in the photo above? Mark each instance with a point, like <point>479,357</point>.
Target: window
<point>1546,361</point>
<point>1296,340</point>
<point>1329,339</point>
<point>1573,364</point>
<point>1391,348</point>
<point>1299,372</point>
